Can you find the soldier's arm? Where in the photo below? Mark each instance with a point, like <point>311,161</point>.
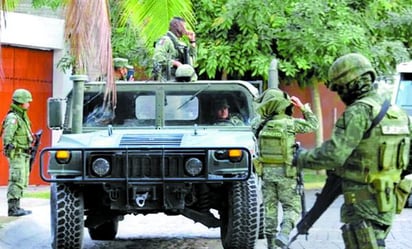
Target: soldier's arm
<point>163,52</point>
<point>347,134</point>
<point>309,123</point>
<point>10,128</point>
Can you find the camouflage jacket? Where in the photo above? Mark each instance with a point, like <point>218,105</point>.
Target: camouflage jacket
<point>346,136</point>
<point>169,48</point>
<point>16,128</point>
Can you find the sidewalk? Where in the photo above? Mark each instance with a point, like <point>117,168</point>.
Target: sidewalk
<point>325,233</point>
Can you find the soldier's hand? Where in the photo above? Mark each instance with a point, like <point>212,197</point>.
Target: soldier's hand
<point>296,156</point>
<point>296,102</point>
<point>8,149</point>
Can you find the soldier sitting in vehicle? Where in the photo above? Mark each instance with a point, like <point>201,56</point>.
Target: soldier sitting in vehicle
<point>222,116</point>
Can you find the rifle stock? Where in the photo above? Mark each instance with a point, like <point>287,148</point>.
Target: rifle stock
<point>35,147</point>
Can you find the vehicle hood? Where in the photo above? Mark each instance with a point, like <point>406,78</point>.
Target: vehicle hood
<point>200,138</point>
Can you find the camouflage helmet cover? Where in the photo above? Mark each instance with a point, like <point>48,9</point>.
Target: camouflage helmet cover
<point>22,96</point>
<point>186,71</point>
<point>273,101</point>
<point>120,62</point>
<point>348,68</point>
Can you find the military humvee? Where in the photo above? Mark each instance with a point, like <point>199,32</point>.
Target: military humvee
<point>158,151</point>
<point>401,97</point>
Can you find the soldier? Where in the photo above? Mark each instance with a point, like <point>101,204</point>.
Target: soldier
<point>170,52</point>
<point>222,116</point>
<point>17,139</point>
<point>120,68</point>
<point>276,130</point>
<point>368,149</point>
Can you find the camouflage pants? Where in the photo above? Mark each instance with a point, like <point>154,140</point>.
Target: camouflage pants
<point>278,189</point>
<point>18,175</point>
<point>367,210</point>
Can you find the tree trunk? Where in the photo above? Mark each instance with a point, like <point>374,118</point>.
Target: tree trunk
<point>317,110</point>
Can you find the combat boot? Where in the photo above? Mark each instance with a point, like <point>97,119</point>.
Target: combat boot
<point>270,242</point>
<point>282,240</point>
<point>15,210</point>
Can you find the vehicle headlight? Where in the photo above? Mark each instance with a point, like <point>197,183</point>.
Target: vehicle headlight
<point>100,167</point>
<point>193,166</point>
<point>63,156</point>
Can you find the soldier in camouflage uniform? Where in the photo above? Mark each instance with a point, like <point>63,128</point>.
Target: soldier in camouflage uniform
<point>17,140</point>
<point>276,130</point>
<point>170,52</point>
<point>369,163</point>
<point>222,115</point>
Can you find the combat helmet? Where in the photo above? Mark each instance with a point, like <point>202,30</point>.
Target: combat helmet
<point>348,68</point>
<point>22,96</point>
<point>273,101</point>
<point>185,73</point>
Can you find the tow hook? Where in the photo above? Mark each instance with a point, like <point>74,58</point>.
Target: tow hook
<point>141,199</point>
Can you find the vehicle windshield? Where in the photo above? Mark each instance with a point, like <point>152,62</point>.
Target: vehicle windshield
<point>403,98</point>
<point>175,108</point>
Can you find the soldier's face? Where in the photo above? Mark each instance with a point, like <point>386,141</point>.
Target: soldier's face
<point>223,113</point>
<point>25,105</point>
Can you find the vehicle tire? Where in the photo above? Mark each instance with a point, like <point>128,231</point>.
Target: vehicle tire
<point>240,217</point>
<point>261,234</point>
<point>67,216</point>
<point>106,231</point>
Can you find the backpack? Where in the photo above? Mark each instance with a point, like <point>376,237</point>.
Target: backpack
<point>276,142</point>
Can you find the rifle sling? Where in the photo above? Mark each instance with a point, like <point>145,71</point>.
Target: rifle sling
<point>378,118</point>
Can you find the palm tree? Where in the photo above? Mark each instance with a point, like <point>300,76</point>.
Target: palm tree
<point>88,31</point>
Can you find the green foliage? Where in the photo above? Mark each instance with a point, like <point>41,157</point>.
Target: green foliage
<point>126,38</point>
<point>239,38</point>
<point>152,17</point>
<point>53,4</point>
<point>235,37</point>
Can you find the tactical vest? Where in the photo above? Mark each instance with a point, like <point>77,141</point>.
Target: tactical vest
<point>380,158</point>
<point>276,142</point>
<point>22,138</point>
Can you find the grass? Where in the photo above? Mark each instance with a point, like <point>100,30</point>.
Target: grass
<point>37,194</point>
<point>313,179</point>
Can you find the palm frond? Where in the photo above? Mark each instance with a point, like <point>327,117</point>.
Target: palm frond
<point>153,16</point>
<point>88,31</point>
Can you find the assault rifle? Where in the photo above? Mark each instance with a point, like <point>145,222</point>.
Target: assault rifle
<point>331,190</point>
<point>300,186</point>
<point>35,147</point>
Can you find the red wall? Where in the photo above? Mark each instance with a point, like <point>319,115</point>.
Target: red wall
<point>33,70</point>
<point>331,105</point>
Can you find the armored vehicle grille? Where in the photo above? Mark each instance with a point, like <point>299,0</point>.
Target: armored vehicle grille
<point>156,164</point>
<point>151,140</point>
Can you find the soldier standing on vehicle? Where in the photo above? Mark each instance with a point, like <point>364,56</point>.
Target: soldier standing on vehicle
<point>276,130</point>
<point>170,52</point>
<point>17,140</point>
<point>368,149</point>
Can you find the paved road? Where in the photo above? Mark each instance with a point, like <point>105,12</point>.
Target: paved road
<point>171,232</point>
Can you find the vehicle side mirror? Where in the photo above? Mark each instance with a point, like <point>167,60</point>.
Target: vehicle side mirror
<point>55,113</point>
